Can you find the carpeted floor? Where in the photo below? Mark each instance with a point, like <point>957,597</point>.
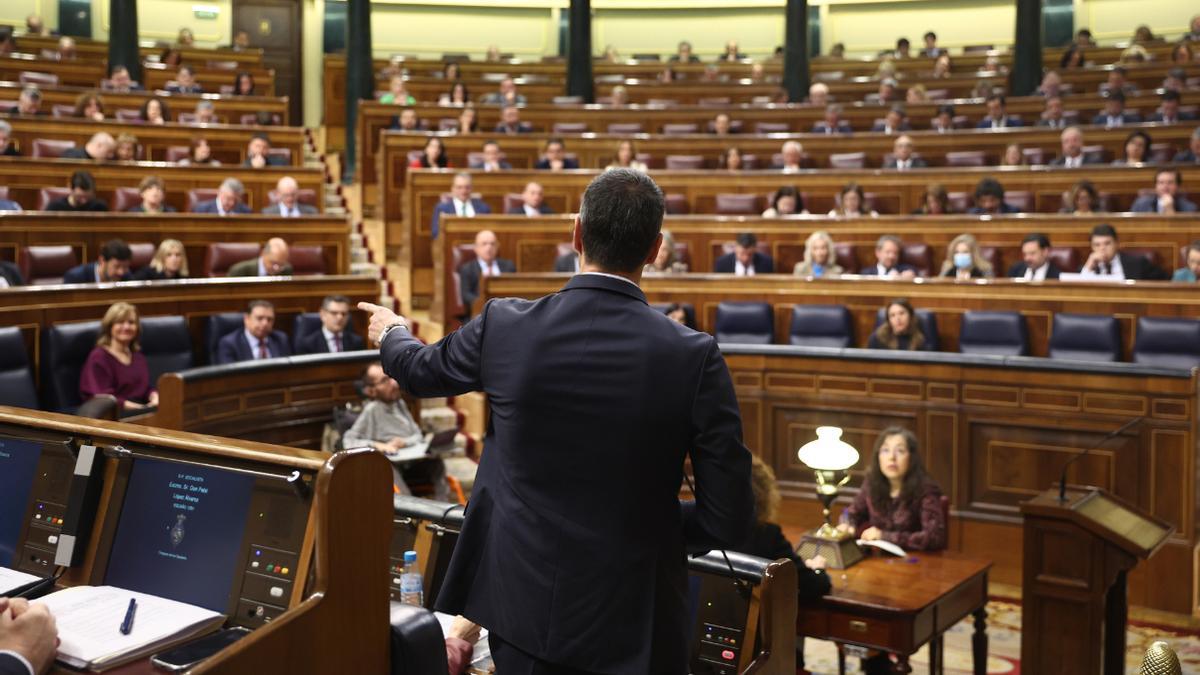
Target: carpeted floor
<point>1004,646</point>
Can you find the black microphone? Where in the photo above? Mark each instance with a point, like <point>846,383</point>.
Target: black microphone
<point>1062,483</point>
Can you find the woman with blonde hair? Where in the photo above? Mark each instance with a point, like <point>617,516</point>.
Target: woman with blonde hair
<point>668,261</point>
<point>127,147</point>
<point>116,366</point>
<point>963,260</point>
<point>820,258</point>
<point>169,262</point>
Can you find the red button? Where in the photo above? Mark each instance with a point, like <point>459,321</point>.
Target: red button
<point>727,654</point>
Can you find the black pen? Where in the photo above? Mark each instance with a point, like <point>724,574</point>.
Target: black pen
<point>127,624</point>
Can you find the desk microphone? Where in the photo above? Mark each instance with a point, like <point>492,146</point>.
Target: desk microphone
<point>1062,483</point>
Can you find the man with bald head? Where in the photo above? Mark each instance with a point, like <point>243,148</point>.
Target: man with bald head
<point>487,263</point>
<point>1072,156</point>
<point>532,202</point>
<point>903,158</point>
<point>273,262</point>
<point>461,203</point>
<point>287,193</point>
<point>99,148</point>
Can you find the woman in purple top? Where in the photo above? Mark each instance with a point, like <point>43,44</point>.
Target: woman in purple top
<point>116,365</point>
<point>899,502</point>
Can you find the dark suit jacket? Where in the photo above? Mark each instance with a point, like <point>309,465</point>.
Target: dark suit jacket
<point>1181,117</point>
<point>210,206</point>
<point>986,123</point>
<point>766,540</point>
<point>521,128</point>
<point>233,347</point>
<point>314,343</point>
<point>1057,124</point>
<point>763,264</point>
<point>11,274</point>
<point>478,166</point>
<point>177,89</point>
<point>1005,207</point>
<point>11,665</point>
<point>167,208</point>
<point>1127,118</point>
<point>1149,204</point>
<point>823,128</point>
<point>277,210</point>
<point>76,153</point>
<point>568,163</point>
<point>9,205</point>
<point>881,127</point>
<point>873,270</point>
<point>917,163</point>
<point>469,273</point>
<point>1061,160</point>
<point>1139,268</point>
<point>1185,157</point>
<point>448,208</point>
<point>272,160</point>
<point>520,210</point>
<point>566,262</point>
<point>574,552</point>
<point>1017,271</point>
<point>62,204</point>
<point>83,274</point>
<point>249,268</point>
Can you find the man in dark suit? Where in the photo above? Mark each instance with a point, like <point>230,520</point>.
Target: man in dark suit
<point>493,159</point>
<point>10,275</point>
<point>1052,114</point>
<point>461,203</point>
<point>931,50</point>
<point>274,261</point>
<point>1168,112</point>
<point>185,82</point>
<point>833,122</point>
<point>510,122</point>
<point>99,148</point>
<point>572,554</point>
<point>7,147</point>
<point>1072,156</point>
<point>82,196</point>
<point>487,263</point>
<point>554,158</point>
<point>258,153</point>
<point>745,261</point>
<point>228,201</point>
<point>997,117</point>
<point>335,334</point>
<point>258,338</point>
<point>887,260</point>
<point>288,206</point>
<point>683,54</point>
<point>29,103</point>
<point>1192,154</point>
<point>1107,260</point>
<point>1166,198</point>
<point>894,122</point>
<point>28,637</point>
<point>532,202</point>
<point>1114,114</point>
<point>902,158</point>
<point>567,262</point>
<point>1035,264</point>
<point>112,265</point>
<point>989,198</point>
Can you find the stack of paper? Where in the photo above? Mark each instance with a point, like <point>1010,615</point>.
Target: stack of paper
<point>11,579</point>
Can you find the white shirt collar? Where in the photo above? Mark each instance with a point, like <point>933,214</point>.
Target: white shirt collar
<point>531,211</point>
<point>742,270</point>
<point>463,207</point>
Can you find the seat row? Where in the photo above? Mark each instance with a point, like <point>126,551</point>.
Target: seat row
<point>53,148</point>
<point>127,198</point>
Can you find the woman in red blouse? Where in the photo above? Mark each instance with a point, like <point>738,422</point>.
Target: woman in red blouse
<point>116,365</point>
<point>899,502</point>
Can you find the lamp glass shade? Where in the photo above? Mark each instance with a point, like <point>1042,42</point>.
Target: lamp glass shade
<point>828,452</point>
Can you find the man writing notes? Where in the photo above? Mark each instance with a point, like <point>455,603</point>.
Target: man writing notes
<point>572,553</point>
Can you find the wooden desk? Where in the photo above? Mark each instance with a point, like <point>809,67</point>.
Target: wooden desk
<point>227,108</point>
<point>84,72</point>
<point>98,50</point>
<point>899,604</point>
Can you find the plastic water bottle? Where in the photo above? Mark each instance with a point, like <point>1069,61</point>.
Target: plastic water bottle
<point>411,591</point>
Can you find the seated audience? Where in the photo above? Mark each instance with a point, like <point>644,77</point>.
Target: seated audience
<point>935,201</point>
<point>683,54</point>
<point>1166,198</point>
<point>532,202</point>
<point>89,106</point>
<point>732,159</point>
<point>8,148</point>
<point>468,122</point>
<point>1107,260</point>
<point>943,121</point>
<point>989,198</point>
<point>487,263</point>
<point>667,261</point>
<point>258,338</point>
<point>153,193</point>
<point>112,265</point>
<point>241,41</point>
<point>185,82</point>
<point>1192,154</point>
<point>335,335</point>
<point>787,201</point>
<point>458,95</point>
<point>82,196</point>
<point>931,49</point>
<point>170,56</point>
<point>745,260</point>
<point>818,95</point>
<point>407,120</point>
<point>1176,82</point>
<point>116,366</point>
<point>506,94</point>
<point>126,149</point>
<point>29,103</point>
<point>1114,114</point>
<point>722,125</point>
<point>169,262</point>
<point>1051,86</point>
<point>820,258</point>
<point>1052,114</point>
<point>837,51</point>
<point>258,153</point>
<point>510,122</point>
<point>567,262</point>
<point>185,38</point>
<point>964,261</point>
<point>397,92</point>
<point>902,158</point>
<point>228,201</point>
<point>887,260</point>
<point>99,148</point>
<point>554,157</point>
<point>243,85</point>
<point>1013,156</point>
<point>678,313</point>
<point>916,94</point>
<point>1036,263</point>
<point>833,122</point>
<point>433,156</point>
<point>792,153</point>
<point>1117,84</point>
<point>154,111</point>
<point>120,81</point>
<point>903,48</point>
<point>493,159</point>
<point>289,205</point>
<point>201,154</point>
<point>1189,271</point>
<point>900,329</point>
<point>887,89</point>
<point>942,67</point>
<point>1137,149</point>
<point>1082,199</point>
<point>1168,111</point>
<point>851,202</point>
<point>461,202</point>
<point>895,121</point>
<point>997,115</point>
<point>731,52</point>
<point>273,261</point>
<point>619,97</point>
<point>1072,156</point>
<point>1193,34</point>
<point>35,26</point>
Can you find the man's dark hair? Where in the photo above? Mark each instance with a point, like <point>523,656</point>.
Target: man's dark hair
<point>1104,230</point>
<point>1116,95</point>
<point>83,180</point>
<point>1170,95</point>
<point>1176,172</point>
<point>263,136</point>
<point>1083,32</point>
<point>334,299</point>
<point>946,108</point>
<point>116,68</point>
<point>899,109</point>
<point>930,34</point>
<point>989,187</point>
<point>902,42</point>
<point>259,303</point>
<point>490,141</point>
<point>1120,70</point>
<point>115,249</point>
<point>1042,240</point>
<point>553,140</point>
<point>187,68</point>
<point>620,217</point>
<point>996,97</point>
<point>747,240</point>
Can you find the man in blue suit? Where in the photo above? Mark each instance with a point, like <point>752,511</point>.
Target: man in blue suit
<point>573,549</point>
<point>1114,114</point>
<point>997,117</point>
<point>887,260</point>
<point>258,338</point>
<point>745,261</point>
<point>461,202</point>
<point>532,202</point>
<point>228,201</point>
<point>112,265</point>
<point>833,122</point>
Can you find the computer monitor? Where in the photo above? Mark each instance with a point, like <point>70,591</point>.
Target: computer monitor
<point>18,467</point>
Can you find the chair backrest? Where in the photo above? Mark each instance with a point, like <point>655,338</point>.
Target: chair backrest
<point>997,333</point>
<point>966,158</point>
<point>307,260</point>
<point>821,326</point>
<point>282,153</point>
<point>127,115</point>
<point>677,162</point>
<point>167,345</point>
<point>625,128</point>
<point>1066,258</point>
<point>680,128</point>
<point>1167,342</point>
<point>738,203</point>
<point>221,256</point>
<point>178,153</point>
<point>745,323</point>
<point>677,204</point>
<point>567,100</point>
<point>920,256</point>
<point>62,110</point>
<point>848,160</point>
<point>125,198</point>
<point>926,319</point>
<point>65,348</point>
<point>49,194</point>
<point>845,257</point>
<point>143,253</point>
<point>46,264</point>
<point>197,195</point>
<point>1085,337</point>
<point>305,324</point>
<point>512,200</point>
<point>16,374</point>
<point>417,645</point>
<point>40,79</point>
<point>217,326</point>
<point>771,127</point>
<point>47,148</point>
<point>570,127</point>
<point>1021,200</point>
<point>303,196</point>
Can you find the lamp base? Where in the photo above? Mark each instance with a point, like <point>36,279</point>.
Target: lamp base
<point>840,551</point>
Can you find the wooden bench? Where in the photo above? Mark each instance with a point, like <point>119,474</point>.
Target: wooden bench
<point>229,109</point>
<point>98,50</point>
<point>89,73</point>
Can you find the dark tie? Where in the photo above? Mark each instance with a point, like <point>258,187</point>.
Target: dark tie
<point>1103,268</point>
<point>262,350</point>
<point>337,342</point>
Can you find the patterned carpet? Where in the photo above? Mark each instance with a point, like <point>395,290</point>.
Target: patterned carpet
<point>1004,646</point>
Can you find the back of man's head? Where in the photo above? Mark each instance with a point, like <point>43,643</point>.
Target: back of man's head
<point>115,249</point>
<point>620,218</point>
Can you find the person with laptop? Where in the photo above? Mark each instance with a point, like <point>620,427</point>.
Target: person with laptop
<point>387,426</point>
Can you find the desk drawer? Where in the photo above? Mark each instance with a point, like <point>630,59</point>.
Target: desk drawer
<point>865,630</point>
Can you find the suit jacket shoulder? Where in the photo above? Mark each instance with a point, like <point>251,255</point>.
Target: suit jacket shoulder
<point>81,274</point>
<point>245,268</point>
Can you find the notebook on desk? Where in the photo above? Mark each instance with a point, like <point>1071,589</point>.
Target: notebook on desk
<point>442,440</point>
<point>11,579</point>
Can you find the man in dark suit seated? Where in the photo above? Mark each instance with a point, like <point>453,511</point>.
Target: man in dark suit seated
<point>506,94</point>
<point>510,122</point>
<point>112,265</point>
<point>407,120</point>
<point>1192,154</point>
<point>487,263</point>
<point>554,158</point>
<point>902,156</point>
<point>289,205</point>
<point>82,196</point>
<point>28,639</point>
<point>567,262</point>
<point>989,198</point>
<point>258,338</point>
<point>228,201</point>
<point>931,50</point>
<point>833,122</point>
<point>895,121</point>
<point>1072,156</point>
<point>1166,198</point>
<point>1114,114</point>
<point>10,275</point>
<point>461,202</point>
<point>997,115</point>
<point>683,54</point>
<point>119,80</point>
<point>887,260</point>
<point>1109,262</point>
<point>1036,264</point>
<point>258,153</point>
<point>335,334</point>
<point>492,159</point>
<point>1052,114</point>
<point>99,148</point>
<point>532,202</point>
<point>274,261</point>
<point>573,549</point>
<point>7,147</point>
<point>1116,82</point>
<point>29,103</point>
<point>745,261</point>
<point>185,82</point>
<point>943,121</point>
<point>722,125</point>
<point>1168,111</point>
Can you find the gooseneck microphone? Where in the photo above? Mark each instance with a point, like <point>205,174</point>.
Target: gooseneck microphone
<point>1062,483</point>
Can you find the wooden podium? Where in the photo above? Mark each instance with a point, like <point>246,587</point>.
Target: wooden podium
<point>1077,554</point>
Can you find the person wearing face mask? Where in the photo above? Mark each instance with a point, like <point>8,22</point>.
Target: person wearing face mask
<point>963,260</point>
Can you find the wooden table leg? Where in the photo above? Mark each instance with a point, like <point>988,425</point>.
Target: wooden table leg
<point>901,667</point>
<point>935,651</point>
<point>841,659</point>
<point>979,641</point>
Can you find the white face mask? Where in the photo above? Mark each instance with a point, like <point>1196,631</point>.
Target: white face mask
<point>962,261</point>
